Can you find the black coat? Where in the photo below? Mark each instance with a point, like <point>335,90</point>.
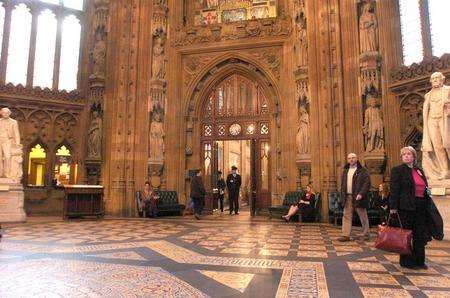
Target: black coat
<point>403,198</point>
<point>197,187</point>
<point>360,185</point>
<point>234,184</point>
<point>434,221</point>
<point>403,188</point>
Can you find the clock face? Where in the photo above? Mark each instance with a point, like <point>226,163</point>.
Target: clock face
<point>235,129</point>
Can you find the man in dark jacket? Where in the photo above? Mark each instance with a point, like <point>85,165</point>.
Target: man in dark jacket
<point>355,186</point>
<point>233,184</point>
<point>198,193</point>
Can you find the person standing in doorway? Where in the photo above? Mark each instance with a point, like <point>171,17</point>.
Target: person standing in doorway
<point>221,187</point>
<point>198,193</point>
<point>355,185</point>
<point>234,182</point>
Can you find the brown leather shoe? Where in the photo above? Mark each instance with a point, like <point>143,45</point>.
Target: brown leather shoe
<point>344,239</point>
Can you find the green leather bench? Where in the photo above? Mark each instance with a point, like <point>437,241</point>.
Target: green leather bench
<point>167,203</point>
<point>336,212</point>
<point>290,198</point>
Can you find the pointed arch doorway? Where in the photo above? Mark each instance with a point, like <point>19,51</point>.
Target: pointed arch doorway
<point>235,130</point>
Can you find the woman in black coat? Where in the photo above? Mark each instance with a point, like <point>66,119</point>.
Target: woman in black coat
<point>408,199</point>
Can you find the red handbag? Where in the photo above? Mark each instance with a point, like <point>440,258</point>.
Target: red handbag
<point>392,239</point>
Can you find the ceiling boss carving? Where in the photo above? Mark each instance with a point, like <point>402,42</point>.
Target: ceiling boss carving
<point>255,28</point>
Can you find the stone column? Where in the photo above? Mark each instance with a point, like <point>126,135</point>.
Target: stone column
<point>370,90</point>
<point>303,159</point>
<point>96,92</point>
<point>157,94</point>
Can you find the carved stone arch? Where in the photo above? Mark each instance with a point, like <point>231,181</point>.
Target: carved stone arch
<point>64,129</point>
<point>39,126</point>
<point>217,70</point>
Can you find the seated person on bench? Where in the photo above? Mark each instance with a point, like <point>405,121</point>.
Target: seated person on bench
<point>149,199</point>
<point>305,204</point>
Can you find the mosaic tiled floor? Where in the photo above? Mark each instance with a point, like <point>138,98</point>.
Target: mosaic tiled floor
<point>214,257</point>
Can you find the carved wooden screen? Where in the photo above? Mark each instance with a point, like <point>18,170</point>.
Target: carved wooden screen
<point>236,109</point>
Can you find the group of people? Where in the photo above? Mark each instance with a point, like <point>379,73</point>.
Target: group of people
<point>406,204</point>
<point>232,184</point>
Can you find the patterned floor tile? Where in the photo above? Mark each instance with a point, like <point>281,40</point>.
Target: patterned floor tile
<point>312,254</point>
<point>236,280</point>
<point>272,252</point>
<point>365,266</point>
<point>430,281</point>
<point>437,294</point>
<point>374,278</point>
<point>235,250</point>
<point>384,292</point>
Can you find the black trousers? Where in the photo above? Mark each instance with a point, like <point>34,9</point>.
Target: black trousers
<point>220,199</point>
<point>234,202</point>
<point>416,221</point>
<point>198,205</point>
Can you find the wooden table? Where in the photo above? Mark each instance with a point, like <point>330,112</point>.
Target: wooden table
<point>83,200</point>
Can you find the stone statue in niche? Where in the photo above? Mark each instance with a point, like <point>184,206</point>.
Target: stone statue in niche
<point>373,126</point>
<point>436,129</point>
<point>301,43</point>
<point>159,63</point>
<point>156,137</point>
<point>95,133</point>
<point>368,29</point>
<point>10,147</point>
<point>303,139</point>
<point>99,58</point>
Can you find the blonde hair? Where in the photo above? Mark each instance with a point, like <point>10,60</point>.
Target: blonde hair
<point>408,149</point>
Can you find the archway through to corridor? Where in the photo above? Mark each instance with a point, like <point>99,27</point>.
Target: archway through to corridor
<point>235,131</point>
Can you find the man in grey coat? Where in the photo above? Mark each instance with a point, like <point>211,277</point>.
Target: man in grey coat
<point>355,186</point>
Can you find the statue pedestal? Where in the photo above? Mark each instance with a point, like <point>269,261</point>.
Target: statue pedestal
<point>440,189</point>
<point>304,167</point>
<point>11,201</point>
<point>375,162</point>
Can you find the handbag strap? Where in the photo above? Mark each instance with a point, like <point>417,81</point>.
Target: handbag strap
<point>398,216</point>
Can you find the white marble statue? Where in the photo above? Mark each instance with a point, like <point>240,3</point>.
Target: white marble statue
<point>436,129</point>
<point>10,147</point>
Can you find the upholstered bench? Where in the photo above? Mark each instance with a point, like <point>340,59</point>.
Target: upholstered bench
<point>167,203</point>
<point>290,198</point>
<point>374,212</point>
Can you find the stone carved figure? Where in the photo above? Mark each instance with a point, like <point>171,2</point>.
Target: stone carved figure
<point>436,129</point>
<point>99,58</point>
<point>156,138</point>
<point>158,65</point>
<point>303,138</point>
<point>95,136</point>
<point>368,29</point>
<point>10,147</point>
<point>301,43</point>
<point>373,126</point>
